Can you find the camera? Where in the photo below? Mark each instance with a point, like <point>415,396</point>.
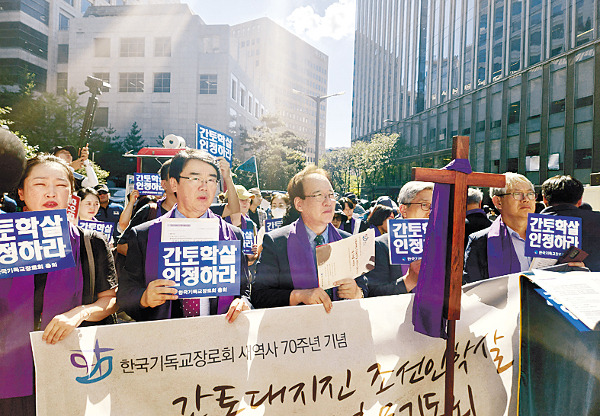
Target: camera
<point>95,84</point>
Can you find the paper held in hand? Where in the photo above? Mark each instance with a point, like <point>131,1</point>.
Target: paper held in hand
<point>347,258</point>
<point>189,229</point>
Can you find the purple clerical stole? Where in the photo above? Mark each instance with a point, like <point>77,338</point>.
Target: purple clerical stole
<point>154,236</point>
<point>428,307</point>
<point>302,258</point>
<point>502,257</point>
<point>63,292</point>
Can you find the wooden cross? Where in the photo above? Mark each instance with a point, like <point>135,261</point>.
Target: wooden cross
<point>456,251</point>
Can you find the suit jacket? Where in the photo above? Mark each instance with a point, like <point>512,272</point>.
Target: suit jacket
<point>132,280</point>
<point>385,278</point>
<point>590,221</point>
<point>476,260</point>
<point>347,226</point>
<point>475,221</point>
<point>273,283</point>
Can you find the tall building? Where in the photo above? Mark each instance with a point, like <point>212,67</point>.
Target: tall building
<point>168,70</point>
<point>521,78</point>
<point>32,38</point>
<point>278,63</point>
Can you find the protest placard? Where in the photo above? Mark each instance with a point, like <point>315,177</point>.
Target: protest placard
<point>273,224</point>
<point>549,236</point>
<point>73,209</point>
<point>214,142</point>
<point>105,228</point>
<point>200,269</point>
<point>34,242</point>
<point>147,184</point>
<point>406,239</point>
<point>248,234</point>
<point>347,258</point>
<point>362,358</point>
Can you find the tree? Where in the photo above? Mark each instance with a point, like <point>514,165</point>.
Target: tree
<point>280,154</point>
<point>133,141</point>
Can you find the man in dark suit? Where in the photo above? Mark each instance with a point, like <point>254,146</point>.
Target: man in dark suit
<point>193,176</point>
<point>286,274</point>
<point>414,201</point>
<point>476,218</point>
<point>563,195</point>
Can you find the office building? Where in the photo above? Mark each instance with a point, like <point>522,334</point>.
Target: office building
<point>520,78</point>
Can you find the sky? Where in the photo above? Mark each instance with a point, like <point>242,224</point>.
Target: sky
<point>328,25</point>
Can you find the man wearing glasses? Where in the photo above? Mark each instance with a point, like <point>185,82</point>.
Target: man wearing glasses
<point>286,274</point>
<point>500,249</point>
<point>414,201</point>
<point>193,177</point>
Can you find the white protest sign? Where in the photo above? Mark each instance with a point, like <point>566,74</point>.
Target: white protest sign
<point>189,229</point>
<point>363,358</point>
<point>346,258</point>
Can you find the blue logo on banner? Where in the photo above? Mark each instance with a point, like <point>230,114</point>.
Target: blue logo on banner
<point>202,268</point>
<point>147,184</point>
<point>95,374</point>
<point>248,241</point>
<point>214,142</point>
<point>273,224</point>
<point>106,228</point>
<point>406,240</point>
<point>34,242</point>
<point>549,236</point>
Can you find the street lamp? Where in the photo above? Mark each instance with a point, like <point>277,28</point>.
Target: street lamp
<point>317,99</point>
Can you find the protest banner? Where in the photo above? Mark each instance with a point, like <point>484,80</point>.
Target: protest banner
<point>105,228</point>
<point>73,209</point>
<point>549,236</point>
<point>406,240</point>
<point>34,242</point>
<point>248,234</point>
<point>208,268</point>
<point>347,258</point>
<point>214,142</point>
<point>362,358</point>
<point>148,184</point>
<point>273,224</point>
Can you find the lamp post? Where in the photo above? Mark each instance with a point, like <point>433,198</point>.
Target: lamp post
<point>317,99</point>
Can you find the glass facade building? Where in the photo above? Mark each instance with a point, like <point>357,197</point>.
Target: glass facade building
<point>516,76</point>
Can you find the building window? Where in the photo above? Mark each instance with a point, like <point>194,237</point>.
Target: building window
<point>63,54</point>
<point>242,96</point>
<point>63,22</point>
<point>131,82</point>
<point>132,47</point>
<point>21,36</point>
<point>39,9</point>
<point>69,2</point>
<point>101,117</point>
<point>162,82</point>
<point>84,5</point>
<point>61,83</point>
<point>162,47</point>
<point>104,76</point>
<point>102,47</point>
<point>208,83</point>
<point>234,89</point>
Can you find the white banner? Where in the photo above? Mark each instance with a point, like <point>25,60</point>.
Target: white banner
<point>363,358</point>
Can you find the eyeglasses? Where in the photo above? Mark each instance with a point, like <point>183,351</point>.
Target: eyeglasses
<point>519,196</point>
<point>425,206</point>
<point>201,181</point>
<point>320,198</point>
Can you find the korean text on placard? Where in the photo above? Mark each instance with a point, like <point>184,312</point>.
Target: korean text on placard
<point>214,142</point>
<point>549,236</point>
<point>406,240</point>
<point>148,184</point>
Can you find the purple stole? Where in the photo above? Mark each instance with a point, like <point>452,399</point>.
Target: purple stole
<point>428,306</point>
<point>63,292</point>
<point>302,259</point>
<point>154,235</point>
<point>377,232</point>
<point>501,255</point>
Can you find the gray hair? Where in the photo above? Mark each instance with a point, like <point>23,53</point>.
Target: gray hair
<point>410,190</point>
<point>474,196</point>
<point>512,180</point>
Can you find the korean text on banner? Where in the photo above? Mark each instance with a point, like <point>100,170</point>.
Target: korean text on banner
<point>148,184</point>
<point>214,142</point>
<point>34,242</point>
<point>549,236</point>
<point>362,358</point>
<point>406,240</point>
<point>273,224</point>
<point>105,228</point>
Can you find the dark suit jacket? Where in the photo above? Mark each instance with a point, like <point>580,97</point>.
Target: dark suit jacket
<point>385,278</point>
<point>132,280</point>
<point>476,261</point>
<point>273,283</point>
<point>474,222</point>
<point>347,226</point>
<point>590,221</point>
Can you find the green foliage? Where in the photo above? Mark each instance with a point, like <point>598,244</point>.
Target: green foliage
<point>30,150</point>
<point>280,154</point>
<point>133,141</point>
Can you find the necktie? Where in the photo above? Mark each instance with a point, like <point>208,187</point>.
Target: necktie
<point>191,307</point>
<point>319,240</point>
